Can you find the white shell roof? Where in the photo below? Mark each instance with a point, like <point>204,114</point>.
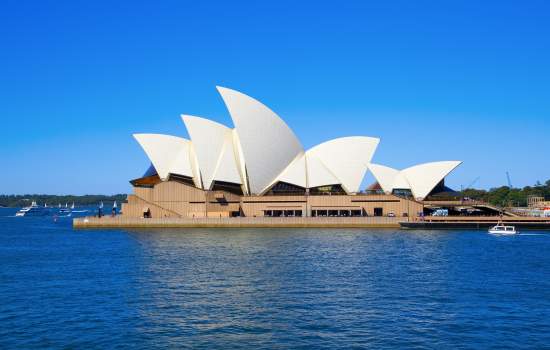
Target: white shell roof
<point>262,150</point>
<point>347,158</point>
<point>240,161</point>
<point>268,144</point>
<point>420,179</point>
<point>168,154</point>
<point>318,174</point>
<point>384,175</point>
<point>214,147</point>
<point>424,177</point>
<point>295,173</point>
<point>401,182</point>
<point>342,161</point>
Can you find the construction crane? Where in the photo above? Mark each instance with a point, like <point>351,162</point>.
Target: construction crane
<point>471,183</point>
<point>509,181</point>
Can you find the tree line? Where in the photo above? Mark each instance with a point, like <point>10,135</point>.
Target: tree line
<point>505,196</point>
<point>55,200</point>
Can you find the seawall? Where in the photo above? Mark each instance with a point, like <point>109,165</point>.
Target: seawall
<point>342,222</point>
<point>312,222</point>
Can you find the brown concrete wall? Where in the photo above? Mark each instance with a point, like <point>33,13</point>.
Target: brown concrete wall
<point>144,193</point>
<point>219,203</point>
<point>187,201</point>
<point>255,205</point>
<point>174,196</point>
<point>135,205</point>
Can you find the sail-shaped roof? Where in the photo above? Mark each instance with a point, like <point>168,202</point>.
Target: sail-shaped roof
<point>347,158</point>
<point>424,177</point>
<point>421,179</point>
<point>262,150</point>
<point>214,147</point>
<point>268,144</point>
<point>168,154</point>
<point>318,174</point>
<point>343,161</point>
<point>384,175</point>
<point>295,173</point>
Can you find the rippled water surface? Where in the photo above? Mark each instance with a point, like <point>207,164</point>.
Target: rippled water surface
<point>270,288</point>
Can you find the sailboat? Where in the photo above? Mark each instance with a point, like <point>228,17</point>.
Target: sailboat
<point>100,210</point>
<point>65,211</point>
<point>77,211</point>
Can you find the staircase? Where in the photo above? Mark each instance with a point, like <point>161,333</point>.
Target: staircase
<point>135,205</point>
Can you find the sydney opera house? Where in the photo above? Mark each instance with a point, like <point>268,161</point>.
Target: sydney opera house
<point>259,168</point>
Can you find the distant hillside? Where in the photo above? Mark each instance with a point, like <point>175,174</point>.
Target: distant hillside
<point>54,200</point>
<point>506,196</point>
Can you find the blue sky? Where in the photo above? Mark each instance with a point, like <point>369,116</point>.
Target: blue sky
<point>435,80</point>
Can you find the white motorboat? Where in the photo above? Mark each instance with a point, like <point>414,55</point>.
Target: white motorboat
<point>33,210</point>
<point>77,211</point>
<point>500,229</point>
<point>65,211</point>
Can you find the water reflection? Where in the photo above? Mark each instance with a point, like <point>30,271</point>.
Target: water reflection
<point>328,283</point>
<point>270,288</point>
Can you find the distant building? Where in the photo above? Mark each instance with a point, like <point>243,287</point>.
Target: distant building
<point>537,202</point>
<point>259,168</point>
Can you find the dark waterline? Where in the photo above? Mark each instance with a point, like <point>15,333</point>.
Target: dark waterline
<point>273,288</point>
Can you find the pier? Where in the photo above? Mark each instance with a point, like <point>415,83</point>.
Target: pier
<point>478,222</point>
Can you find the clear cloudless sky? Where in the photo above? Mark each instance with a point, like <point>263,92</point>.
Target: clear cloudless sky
<point>435,80</point>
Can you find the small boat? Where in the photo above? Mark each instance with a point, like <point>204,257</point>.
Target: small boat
<point>65,211</point>
<point>500,229</point>
<point>78,211</point>
<point>114,210</point>
<point>33,210</point>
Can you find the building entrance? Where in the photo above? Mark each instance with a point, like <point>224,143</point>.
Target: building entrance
<point>337,212</point>
<point>282,213</point>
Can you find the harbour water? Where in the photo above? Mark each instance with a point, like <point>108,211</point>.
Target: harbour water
<point>270,288</point>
